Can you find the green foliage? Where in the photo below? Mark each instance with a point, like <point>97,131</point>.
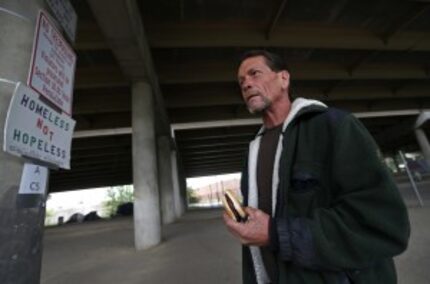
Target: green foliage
<point>49,213</point>
<point>391,165</point>
<point>192,196</point>
<point>116,196</point>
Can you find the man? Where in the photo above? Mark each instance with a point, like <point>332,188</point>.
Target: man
<point>322,207</point>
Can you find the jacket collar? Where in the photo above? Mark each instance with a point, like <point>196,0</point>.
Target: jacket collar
<point>299,107</point>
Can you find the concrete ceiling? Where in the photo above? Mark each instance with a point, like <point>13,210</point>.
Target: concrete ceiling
<point>367,57</point>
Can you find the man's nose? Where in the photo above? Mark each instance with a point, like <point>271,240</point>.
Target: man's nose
<point>246,84</point>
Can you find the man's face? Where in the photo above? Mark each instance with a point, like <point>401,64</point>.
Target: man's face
<point>260,85</point>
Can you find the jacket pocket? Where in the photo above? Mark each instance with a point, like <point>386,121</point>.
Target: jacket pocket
<point>304,186</point>
<point>303,182</point>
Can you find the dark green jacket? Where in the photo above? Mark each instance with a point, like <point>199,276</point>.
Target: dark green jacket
<point>339,215</point>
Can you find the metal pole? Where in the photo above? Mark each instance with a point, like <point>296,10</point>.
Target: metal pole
<point>411,179</point>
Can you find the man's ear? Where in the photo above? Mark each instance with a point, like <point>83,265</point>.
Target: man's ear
<point>285,77</point>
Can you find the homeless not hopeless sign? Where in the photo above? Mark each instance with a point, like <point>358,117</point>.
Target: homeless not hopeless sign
<point>35,130</point>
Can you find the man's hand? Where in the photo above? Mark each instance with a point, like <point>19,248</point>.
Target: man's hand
<point>253,232</point>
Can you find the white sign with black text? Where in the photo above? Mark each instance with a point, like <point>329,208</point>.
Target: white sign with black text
<point>33,180</point>
<point>33,129</point>
<point>53,63</point>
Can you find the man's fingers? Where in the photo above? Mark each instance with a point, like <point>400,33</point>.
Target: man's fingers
<point>250,210</point>
<point>235,228</point>
<point>230,222</point>
<point>227,219</point>
<point>253,213</point>
<point>251,232</point>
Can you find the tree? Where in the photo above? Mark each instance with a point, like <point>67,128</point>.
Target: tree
<point>116,196</point>
<point>49,214</point>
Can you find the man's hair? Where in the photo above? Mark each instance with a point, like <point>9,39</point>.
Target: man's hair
<point>274,61</point>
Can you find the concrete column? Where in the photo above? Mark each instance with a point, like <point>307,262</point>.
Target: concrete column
<point>423,142</point>
<point>147,227</point>
<point>420,134</point>
<point>168,214</point>
<point>179,205</point>
<point>182,182</point>
<point>21,219</point>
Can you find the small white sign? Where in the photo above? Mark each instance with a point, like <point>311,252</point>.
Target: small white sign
<point>35,130</point>
<point>66,15</point>
<point>52,67</point>
<point>33,180</point>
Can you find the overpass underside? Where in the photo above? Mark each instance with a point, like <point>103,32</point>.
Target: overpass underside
<point>370,59</point>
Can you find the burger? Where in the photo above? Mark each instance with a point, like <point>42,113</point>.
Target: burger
<point>233,207</point>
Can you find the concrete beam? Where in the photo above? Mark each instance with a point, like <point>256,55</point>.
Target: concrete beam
<point>113,103</point>
<point>214,157</point>
<point>215,151</point>
<point>216,171</point>
<point>102,121</point>
<point>99,76</point>
<point>218,123</point>
<point>90,182</point>
<point>102,104</point>
<point>224,113</point>
<point>191,71</point>
<point>291,35</point>
<point>94,153</point>
<point>106,173</point>
<point>422,118</point>
<point>213,163</point>
<point>95,143</point>
<point>226,132</point>
<point>230,95</point>
<point>89,37</point>
<point>189,146</point>
<point>122,26</point>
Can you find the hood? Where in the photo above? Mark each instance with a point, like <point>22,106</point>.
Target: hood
<point>299,107</point>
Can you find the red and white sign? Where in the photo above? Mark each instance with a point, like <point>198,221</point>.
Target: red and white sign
<point>53,62</point>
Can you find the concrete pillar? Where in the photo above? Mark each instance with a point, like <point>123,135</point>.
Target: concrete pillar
<point>21,218</point>
<point>147,227</point>
<point>168,214</point>
<point>182,182</point>
<point>423,142</point>
<point>420,134</point>
<point>179,205</point>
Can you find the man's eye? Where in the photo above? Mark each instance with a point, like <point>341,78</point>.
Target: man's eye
<point>255,73</point>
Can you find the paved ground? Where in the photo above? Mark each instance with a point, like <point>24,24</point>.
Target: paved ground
<point>196,249</point>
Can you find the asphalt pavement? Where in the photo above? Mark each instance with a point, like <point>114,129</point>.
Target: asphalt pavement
<point>195,249</point>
